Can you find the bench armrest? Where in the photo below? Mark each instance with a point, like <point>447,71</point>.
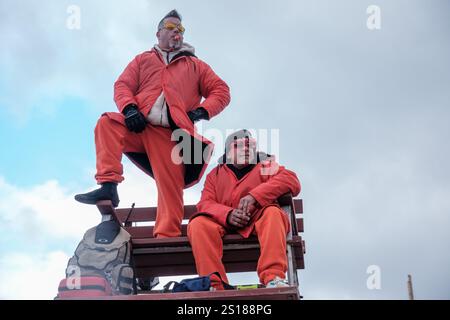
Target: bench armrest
<point>285,200</point>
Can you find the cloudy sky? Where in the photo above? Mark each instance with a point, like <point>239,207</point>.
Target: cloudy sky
<point>362,115</point>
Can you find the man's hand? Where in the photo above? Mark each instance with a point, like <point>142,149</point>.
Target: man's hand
<point>248,204</point>
<point>237,218</point>
<point>134,119</point>
<point>198,114</point>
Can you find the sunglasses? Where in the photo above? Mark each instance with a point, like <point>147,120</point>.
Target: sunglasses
<point>172,26</point>
<point>247,142</point>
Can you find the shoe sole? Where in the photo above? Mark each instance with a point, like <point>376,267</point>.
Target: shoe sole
<point>85,201</point>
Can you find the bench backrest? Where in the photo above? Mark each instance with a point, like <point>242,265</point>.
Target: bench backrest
<point>147,215</point>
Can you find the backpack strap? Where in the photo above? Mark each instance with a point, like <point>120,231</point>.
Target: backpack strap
<point>166,287</point>
<point>129,213</point>
<point>226,286</point>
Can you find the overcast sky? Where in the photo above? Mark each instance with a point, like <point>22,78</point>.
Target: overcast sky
<point>362,115</point>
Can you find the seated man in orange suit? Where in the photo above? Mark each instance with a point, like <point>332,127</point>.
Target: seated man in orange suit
<point>240,196</point>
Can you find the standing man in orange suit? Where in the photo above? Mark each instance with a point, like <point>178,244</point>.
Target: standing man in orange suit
<point>159,92</point>
<point>240,196</point>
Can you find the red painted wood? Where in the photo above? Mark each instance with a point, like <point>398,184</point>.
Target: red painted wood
<point>286,293</point>
<point>298,205</point>
<point>147,231</point>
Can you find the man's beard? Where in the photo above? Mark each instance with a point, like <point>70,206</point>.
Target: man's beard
<point>175,45</point>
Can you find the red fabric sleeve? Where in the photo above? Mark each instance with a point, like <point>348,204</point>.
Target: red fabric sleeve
<point>215,91</point>
<point>126,86</point>
<point>208,203</point>
<point>277,184</point>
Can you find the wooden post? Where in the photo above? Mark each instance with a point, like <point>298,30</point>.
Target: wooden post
<point>410,288</point>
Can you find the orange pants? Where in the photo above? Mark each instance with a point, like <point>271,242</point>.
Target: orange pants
<point>205,236</point>
<point>112,139</point>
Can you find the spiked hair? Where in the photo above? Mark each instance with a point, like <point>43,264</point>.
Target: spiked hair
<point>172,14</point>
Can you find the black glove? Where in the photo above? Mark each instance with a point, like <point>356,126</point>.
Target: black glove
<point>198,114</point>
<point>134,119</point>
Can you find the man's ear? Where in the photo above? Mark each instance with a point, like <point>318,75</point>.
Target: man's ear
<point>157,34</point>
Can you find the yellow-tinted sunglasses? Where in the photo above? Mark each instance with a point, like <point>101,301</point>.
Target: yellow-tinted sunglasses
<point>172,26</point>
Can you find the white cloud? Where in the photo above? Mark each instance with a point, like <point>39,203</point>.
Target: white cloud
<point>30,275</point>
<point>46,210</point>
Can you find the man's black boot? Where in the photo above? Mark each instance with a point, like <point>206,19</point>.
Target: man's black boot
<point>108,191</point>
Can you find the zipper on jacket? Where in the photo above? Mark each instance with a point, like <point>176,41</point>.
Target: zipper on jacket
<point>162,108</point>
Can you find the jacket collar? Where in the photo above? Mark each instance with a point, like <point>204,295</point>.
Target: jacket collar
<point>168,57</point>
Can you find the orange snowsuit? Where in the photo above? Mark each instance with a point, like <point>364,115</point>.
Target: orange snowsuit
<point>221,194</point>
<point>184,81</point>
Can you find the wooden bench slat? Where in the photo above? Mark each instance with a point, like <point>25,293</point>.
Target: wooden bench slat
<point>245,253</point>
<point>184,241</point>
<point>236,248</point>
<point>298,205</point>
<point>187,269</point>
<point>300,224</point>
<point>167,266</point>
<point>285,293</point>
<point>146,214</point>
<point>142,232</point>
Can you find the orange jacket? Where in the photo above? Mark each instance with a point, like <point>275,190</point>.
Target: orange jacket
<point>185,80</point>
<point>265,182</point>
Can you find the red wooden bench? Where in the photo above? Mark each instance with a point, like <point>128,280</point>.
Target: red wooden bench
<point>173,256</point>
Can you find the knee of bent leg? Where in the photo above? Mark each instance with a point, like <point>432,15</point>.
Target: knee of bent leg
<point>274,212</point>
<point>198,224</point>
<point>277,214</point>
<point>102,122</point>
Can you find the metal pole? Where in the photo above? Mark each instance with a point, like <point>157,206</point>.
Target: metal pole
<point>410,288</point>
